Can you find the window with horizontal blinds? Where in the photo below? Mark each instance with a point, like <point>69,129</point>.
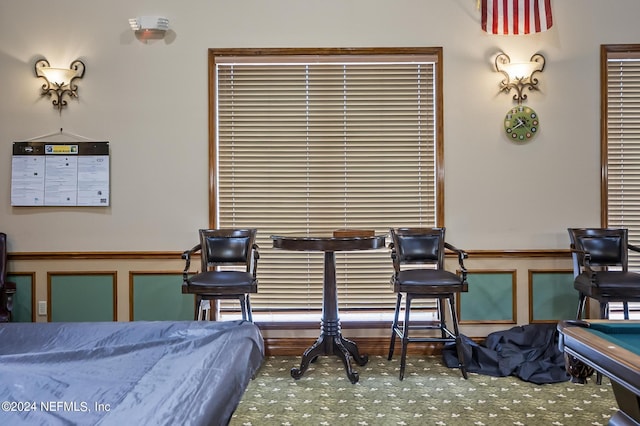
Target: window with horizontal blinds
<point>623,142</point>
<point>621,150</point>
<point>314,143</point>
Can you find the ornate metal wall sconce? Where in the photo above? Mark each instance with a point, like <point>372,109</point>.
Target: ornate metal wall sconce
<point>519,75</point>
<point>59,81</point>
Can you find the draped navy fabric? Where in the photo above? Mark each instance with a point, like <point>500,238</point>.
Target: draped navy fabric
<point>529,352</point>
<point>126,373</point>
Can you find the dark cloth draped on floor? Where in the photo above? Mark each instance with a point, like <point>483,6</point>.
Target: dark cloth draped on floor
<point>529,352</point>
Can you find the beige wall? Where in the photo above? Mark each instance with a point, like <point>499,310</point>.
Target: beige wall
<point>150,101</point>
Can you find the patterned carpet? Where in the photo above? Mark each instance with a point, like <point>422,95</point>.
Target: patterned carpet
<point>430,394</point>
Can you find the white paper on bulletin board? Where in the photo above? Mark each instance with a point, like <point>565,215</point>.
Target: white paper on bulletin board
<point>60,174</point>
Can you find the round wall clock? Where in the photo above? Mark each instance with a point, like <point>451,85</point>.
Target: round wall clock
<point>521,123</point>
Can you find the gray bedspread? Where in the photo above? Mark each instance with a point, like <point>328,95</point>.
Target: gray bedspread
<point>126,373</point>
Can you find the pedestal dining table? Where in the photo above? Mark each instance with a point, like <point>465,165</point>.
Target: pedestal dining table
<point>330,341</point>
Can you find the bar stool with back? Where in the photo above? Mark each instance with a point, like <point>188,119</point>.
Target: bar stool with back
<point>601,268</point>
<point>220,249</point>
<point>426,278</point>
<point>601,272</point>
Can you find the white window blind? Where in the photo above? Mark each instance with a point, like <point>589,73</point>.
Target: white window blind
<point>621,150</point>
<point>314,143</point>
<point>623,143</point>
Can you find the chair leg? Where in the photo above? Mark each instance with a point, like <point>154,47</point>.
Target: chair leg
<point>204,310</point>
<point>394,326</point>
<point>441,314</point>
<point>248,307</point>
<point>243,306</point>
<point>454,320</point>
<point>454,316</point>
<point>604,310</point>
<point>5,307</point>
<point>9,305</point>
<point>581,304</point>
<point>196,314</point>
<point>405,337</point>
<point>604,314</point>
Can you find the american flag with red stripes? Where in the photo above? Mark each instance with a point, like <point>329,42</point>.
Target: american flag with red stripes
<point>513,17</point>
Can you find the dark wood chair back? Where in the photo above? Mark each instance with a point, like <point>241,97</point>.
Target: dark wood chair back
<point>604,247</point>
<point>418,246</point>
<point>222,247</point>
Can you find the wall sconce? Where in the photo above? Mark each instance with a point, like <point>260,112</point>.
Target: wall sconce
<point>59,81</point>
<point>147,27</point>
<point>519,75</point>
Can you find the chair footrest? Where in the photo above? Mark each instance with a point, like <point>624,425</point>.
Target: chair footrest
<point>452,336</point>
<point>431,339</point>
<point>431,326</point>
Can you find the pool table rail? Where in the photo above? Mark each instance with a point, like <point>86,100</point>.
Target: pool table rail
<point>614,361</point>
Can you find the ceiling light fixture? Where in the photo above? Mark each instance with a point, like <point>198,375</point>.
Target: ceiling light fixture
<point>142,24</point>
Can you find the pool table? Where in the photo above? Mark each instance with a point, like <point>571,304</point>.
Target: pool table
<point>612,348</point>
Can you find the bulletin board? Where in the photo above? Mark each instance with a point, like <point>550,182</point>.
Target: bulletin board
<point>60,174</point>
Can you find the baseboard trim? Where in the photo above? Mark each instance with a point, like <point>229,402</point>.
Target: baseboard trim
<point>366,345</point>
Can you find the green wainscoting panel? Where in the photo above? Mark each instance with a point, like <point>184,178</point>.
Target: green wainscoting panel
<point>82,297</point>
<point>490,298</point>
<point>552,296</point>
<point>23,299</point>
<point>158,297</point>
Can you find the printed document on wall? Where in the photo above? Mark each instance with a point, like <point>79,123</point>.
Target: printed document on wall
<point>60,174</point>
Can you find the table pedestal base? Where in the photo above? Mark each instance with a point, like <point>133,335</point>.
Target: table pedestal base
<point>330,341</point>
<point>337,345</point>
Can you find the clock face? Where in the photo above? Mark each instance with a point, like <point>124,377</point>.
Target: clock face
<point>521,123</point>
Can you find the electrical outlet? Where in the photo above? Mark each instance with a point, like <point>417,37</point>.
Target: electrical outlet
<point>42,307</point>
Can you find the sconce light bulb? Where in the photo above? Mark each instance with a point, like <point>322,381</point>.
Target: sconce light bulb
<point>58,76</point>
<point>520,70</point>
